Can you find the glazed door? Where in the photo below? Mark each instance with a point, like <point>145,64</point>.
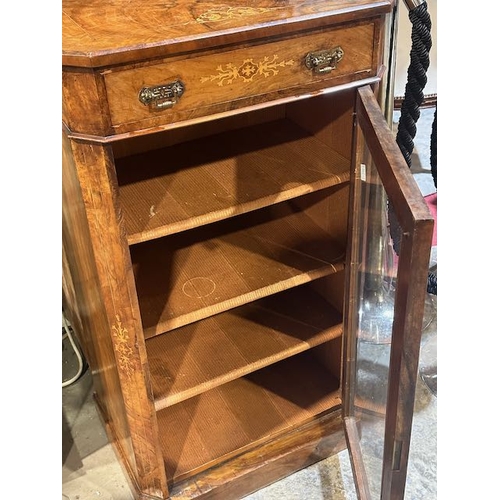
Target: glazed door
<point>387,278</point>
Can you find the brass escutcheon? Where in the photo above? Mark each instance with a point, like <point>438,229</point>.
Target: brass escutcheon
<point>162,96</point>
<point>324,61</point>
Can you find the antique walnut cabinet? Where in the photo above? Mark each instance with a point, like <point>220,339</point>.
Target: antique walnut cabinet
<point>223,166</point>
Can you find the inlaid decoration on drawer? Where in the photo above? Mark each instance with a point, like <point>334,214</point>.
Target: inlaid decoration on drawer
<point>191,87</point>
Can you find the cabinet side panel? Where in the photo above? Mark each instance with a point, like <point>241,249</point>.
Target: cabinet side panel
<point>84,305</point>
<point>97,180</point>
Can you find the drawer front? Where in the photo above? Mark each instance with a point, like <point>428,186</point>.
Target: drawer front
<point>222,81</point>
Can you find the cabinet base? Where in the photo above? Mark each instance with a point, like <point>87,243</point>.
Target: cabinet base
<point>255,469</point>
<point>260,467</point>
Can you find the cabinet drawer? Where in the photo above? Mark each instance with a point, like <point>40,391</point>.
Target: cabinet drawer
<point>225,80</point>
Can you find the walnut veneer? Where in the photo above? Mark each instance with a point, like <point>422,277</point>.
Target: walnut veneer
<point>208,230</point>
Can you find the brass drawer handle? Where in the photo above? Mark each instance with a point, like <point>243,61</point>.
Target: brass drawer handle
<point>162,96</point>
<point>324,61</point>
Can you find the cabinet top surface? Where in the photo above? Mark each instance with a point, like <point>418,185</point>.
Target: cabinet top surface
<point>98,33</point>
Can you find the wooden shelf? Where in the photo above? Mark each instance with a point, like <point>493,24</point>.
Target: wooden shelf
<point>184,278</point>
<point>232,418</point>
<point>203,355</point>
<point>191,184</point>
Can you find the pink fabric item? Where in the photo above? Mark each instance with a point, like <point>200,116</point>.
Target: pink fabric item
<point>431,201</point>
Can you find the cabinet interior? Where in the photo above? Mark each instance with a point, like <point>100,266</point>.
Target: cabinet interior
<point>237,230</point>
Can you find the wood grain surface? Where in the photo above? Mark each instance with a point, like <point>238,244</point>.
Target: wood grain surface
<point>144,30</point>
<point>256,167</point>
<point>205,244</point>
<point>228,76</point>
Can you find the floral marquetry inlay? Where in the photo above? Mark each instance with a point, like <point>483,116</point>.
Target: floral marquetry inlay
<point>225,13</point>
<point>247,70</point>
<point>122,347</point>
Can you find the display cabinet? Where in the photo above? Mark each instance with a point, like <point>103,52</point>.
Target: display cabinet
<point>218,166</point>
